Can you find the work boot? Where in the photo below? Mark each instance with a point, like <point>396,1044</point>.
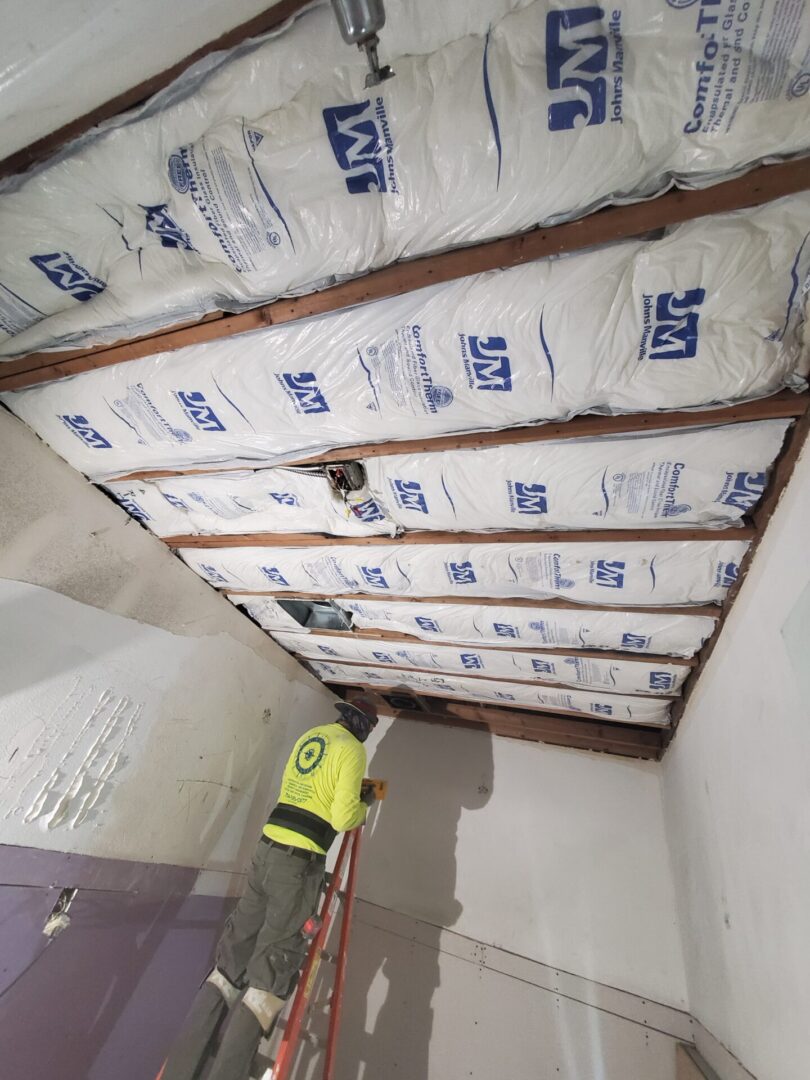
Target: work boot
<point>249,1022</point>
<point>190,1050</point>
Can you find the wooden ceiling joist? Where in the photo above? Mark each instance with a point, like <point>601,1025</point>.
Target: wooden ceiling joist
<point>785,405</point>
<point>711,610</point>
<point>588,654</point>
<point>760,185</point>
<point>569,536</point>
<point>557,729</point>
<point>48,145</point>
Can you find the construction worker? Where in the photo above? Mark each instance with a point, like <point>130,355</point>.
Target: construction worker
<point>262,948</point>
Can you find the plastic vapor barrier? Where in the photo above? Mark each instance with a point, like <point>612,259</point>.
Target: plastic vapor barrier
<point>634,573</point>
<point>713,312</point>
<point>485,624</point>
<point>552,112</point>
<point>514,695</point>
<point>104,200</point>
<point>613,676</point>
<point>268,500</point>
<point>710,477</point>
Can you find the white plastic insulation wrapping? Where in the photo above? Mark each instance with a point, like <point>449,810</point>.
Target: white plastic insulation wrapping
<point>547,114</point>
<point>112,181</point>
<point>539,342</point>
<point>494,625</point>
<point>268,500</point>
<point>489,624</point>
<point>666,572</point>
<point>613,676</point>
<point>709,476</point>
<point>607,706</point>
<point>542,341</point>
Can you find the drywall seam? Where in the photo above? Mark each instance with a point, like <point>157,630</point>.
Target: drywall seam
<point>620,1003</point>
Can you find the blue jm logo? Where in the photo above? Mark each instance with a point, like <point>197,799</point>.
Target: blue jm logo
<point>355,141</point>
<point>273,574</point>
<point>62,270</point>
<point>373,576</point>
<point>609,573</point>
<point>675,336</point>
<point>199,412</point>
<point>490,363</point>
<point>305,392</point>
<point>462,573</point>
<point>410,496</point>
<point>576,59</point>
<point>530,498</point>
<point>80,426</point>
<point>746,490</point>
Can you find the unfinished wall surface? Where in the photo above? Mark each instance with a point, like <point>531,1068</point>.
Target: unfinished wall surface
<point>553,854</point>
<point>738,809</point>
<point>423,1005</point>
<point>143,726</point>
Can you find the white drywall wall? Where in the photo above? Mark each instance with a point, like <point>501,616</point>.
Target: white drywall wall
<point>59,61</point>
<point>554,854</point>
<point>122,740</point>
<point>423,1004</point>
<point>119,738</point>
<point>738,811</point>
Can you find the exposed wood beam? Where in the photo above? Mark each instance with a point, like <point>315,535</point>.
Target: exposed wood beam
<point>46,146</point>
<point>781,406</point>
<point>760,185</point>
<point>573,536</point>
<point>558,730</point>
<point>711,610</point>
<point>795,441</point>
<point>409,639</point>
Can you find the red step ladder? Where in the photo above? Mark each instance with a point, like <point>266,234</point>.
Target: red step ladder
<point>293,1033</point>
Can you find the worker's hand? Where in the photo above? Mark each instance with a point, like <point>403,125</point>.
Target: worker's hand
<point>367,794</point>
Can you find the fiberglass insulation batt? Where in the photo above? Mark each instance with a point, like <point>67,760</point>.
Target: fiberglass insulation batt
<point>614,676</point>
<point>636,710</point>
<point>496,625</point>
<point>555,110</point>
<point>490,624</point>
<point>712,312</point>
<point>665,572</point>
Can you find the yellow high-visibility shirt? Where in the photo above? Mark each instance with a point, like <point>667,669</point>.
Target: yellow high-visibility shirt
<point>323,775</point>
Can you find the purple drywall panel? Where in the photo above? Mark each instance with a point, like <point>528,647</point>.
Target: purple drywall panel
<point>104,999</point>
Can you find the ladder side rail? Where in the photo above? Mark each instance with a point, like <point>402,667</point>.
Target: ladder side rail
<point>285,1058</point>
<point>336,1008</point>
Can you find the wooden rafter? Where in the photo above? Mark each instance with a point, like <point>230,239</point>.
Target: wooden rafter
<point>711,610</point>
<point>758,186</point>
<point>440,538</point>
